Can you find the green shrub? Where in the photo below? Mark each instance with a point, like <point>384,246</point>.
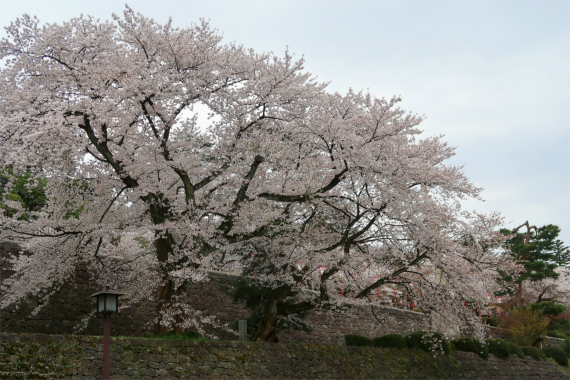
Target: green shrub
<point>414,340</point>
<point>533,352</point>
<point>499,348</point>
<point>357,340</point>
<point>566,347</point>
<point>527,325</point>
<point>471,345</point>
<point>516,350</point>
<point>556,354</point>
<point>390,341</point>
<point>192,334</point>
<point>425,341</point>
<point>549,308</point>
<point>447,347</point>
<point>493,321</point>
<point>559,328</point>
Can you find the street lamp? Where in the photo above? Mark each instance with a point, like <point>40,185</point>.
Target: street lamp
<point>107,304</point>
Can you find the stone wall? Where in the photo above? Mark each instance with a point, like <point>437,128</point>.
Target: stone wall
<point>548,341</point>
<point>70,310</point>
<point>75,357</point>
<point>330,327</point>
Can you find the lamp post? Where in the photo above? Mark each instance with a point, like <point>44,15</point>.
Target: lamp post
<point>107,304</point>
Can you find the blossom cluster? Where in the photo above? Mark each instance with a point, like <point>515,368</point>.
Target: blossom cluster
<point>166,152</point>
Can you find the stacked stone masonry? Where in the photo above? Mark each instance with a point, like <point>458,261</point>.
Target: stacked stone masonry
<point>76,357</point>
<point>70,310</point>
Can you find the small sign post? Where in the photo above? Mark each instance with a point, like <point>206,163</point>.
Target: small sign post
<point>242,327</point>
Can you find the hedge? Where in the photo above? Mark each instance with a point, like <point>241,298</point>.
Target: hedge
<point>516,350</point>
<point>390,341</point>
<point>425,341</point>
<point>566,346</point>
<point>357,340</point>
<point>556,354</point>
<point>471,345</point>
<point>533,352</point>
<point>499,348</point>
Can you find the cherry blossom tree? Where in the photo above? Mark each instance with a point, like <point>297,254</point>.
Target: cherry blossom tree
<point>467,273</point>
<point>182,152</point>
<point>549,289</point>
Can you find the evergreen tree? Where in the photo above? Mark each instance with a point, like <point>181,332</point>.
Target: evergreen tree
<point>561,254</point>
<point>24,189</point>
<point>535,250</point>
<point>29,189</point>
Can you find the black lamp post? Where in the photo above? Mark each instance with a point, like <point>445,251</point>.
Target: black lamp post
<point>107,304</point>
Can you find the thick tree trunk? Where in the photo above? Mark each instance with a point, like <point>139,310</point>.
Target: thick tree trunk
<point>266,327</point>
<point>159,212</point>
<point>164,296</point>
<point>164,247</point>
<point>274,307</point>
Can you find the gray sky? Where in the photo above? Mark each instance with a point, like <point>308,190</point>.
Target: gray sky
<point>492,76</point>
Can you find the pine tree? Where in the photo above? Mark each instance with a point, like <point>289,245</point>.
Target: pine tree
<point>535,250</point>
<point>561,254</point>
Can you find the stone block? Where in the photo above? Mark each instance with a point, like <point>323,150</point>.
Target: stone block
<point>226,365</point>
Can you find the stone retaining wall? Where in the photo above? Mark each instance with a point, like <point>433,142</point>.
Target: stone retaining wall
<point>27,356</point>
<point>70,311</point>
<point>548,341</point>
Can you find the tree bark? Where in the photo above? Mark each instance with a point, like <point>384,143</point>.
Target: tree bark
<point>164,247</point>
<point>164,296</point>
<point>266,327</point>
<point>167,294</point>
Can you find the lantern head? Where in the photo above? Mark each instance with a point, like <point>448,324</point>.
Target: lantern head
<point>107,301</point>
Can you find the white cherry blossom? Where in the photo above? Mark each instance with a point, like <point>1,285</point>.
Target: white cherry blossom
<point>277,172</point>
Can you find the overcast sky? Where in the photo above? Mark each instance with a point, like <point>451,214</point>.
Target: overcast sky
<point>492,76</point>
